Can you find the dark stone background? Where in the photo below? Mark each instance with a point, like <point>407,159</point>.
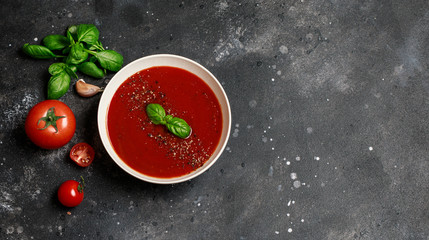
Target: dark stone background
<point>336,92</point>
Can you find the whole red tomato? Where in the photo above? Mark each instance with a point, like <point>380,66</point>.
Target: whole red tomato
<point>70,193</point>
<point>50,124</point>
<point>82,154</point>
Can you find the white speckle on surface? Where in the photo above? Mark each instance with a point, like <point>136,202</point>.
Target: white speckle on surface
<point>327,99</point>
<point>302,220</point>
<point>237,125</point>
<point>322,184</point>
<point>309,130</point>
<point>287,163</point>
<point>270,171</point>
<point>252,103</point>
<point>279,72</point>
<point>272,79</point>
<point>18,111</point>
<point>371,148</point>
<point>276,232</point>
<point>10,230</point>
<point>317,158</point>
<point>70,15</point>
<point>272,148</point>
<point>283,49</point>
<point>36,39</point>
<point>293,176</point>
<point>288,214</point>
<point>235,134</point>
<point>20,229</point>
<point>279,187</point>
<point>264,139</point>
<point>297,184</point>
<point>288,204</point>
<point>298,158</point>
<point>289,230</point>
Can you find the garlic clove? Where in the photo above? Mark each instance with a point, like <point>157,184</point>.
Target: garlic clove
<point>85,89</point>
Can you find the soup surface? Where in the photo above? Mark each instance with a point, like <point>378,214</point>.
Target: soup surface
<point>151,149</point>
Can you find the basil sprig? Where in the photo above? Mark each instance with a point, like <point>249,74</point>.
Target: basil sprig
<point>175,125</point>
<point>80,42</point>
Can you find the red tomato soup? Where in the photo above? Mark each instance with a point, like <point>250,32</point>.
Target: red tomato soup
<point>151,149</point>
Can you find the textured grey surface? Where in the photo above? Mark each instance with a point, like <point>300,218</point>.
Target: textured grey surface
<point>330,123</point>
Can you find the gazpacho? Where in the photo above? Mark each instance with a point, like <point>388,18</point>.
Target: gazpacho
<point>150,148</point>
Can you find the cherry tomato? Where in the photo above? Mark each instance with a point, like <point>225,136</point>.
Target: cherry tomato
<point>50,124</point>
<point>82,154</point>
<point>70,193</point>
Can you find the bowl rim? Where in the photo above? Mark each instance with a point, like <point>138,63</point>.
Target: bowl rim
<point>118,79</point>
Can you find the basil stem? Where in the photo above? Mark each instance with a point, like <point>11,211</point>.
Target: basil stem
<point>175,125</point>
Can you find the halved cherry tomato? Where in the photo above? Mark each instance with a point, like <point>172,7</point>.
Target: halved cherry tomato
<point>50,124</point>
<point>70,193</point>
<point>82,154</point>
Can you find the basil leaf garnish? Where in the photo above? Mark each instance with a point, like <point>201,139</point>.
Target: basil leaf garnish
<point>179,127</point>
<point>156,113</point>
<point>175,125</point>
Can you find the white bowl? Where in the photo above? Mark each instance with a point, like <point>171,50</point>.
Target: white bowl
<point>173,61</point>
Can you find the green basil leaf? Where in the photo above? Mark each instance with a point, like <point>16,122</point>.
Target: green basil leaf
<point>55,42</point>
<point>90,69</point>
<point>109,60</point>
<point>179,127</point>
<point>77,54</point>
<point>38,51</point>
<point>87,33</point>
<point>156,113</point>
<point>56,68</point>
<point>58,85</point>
